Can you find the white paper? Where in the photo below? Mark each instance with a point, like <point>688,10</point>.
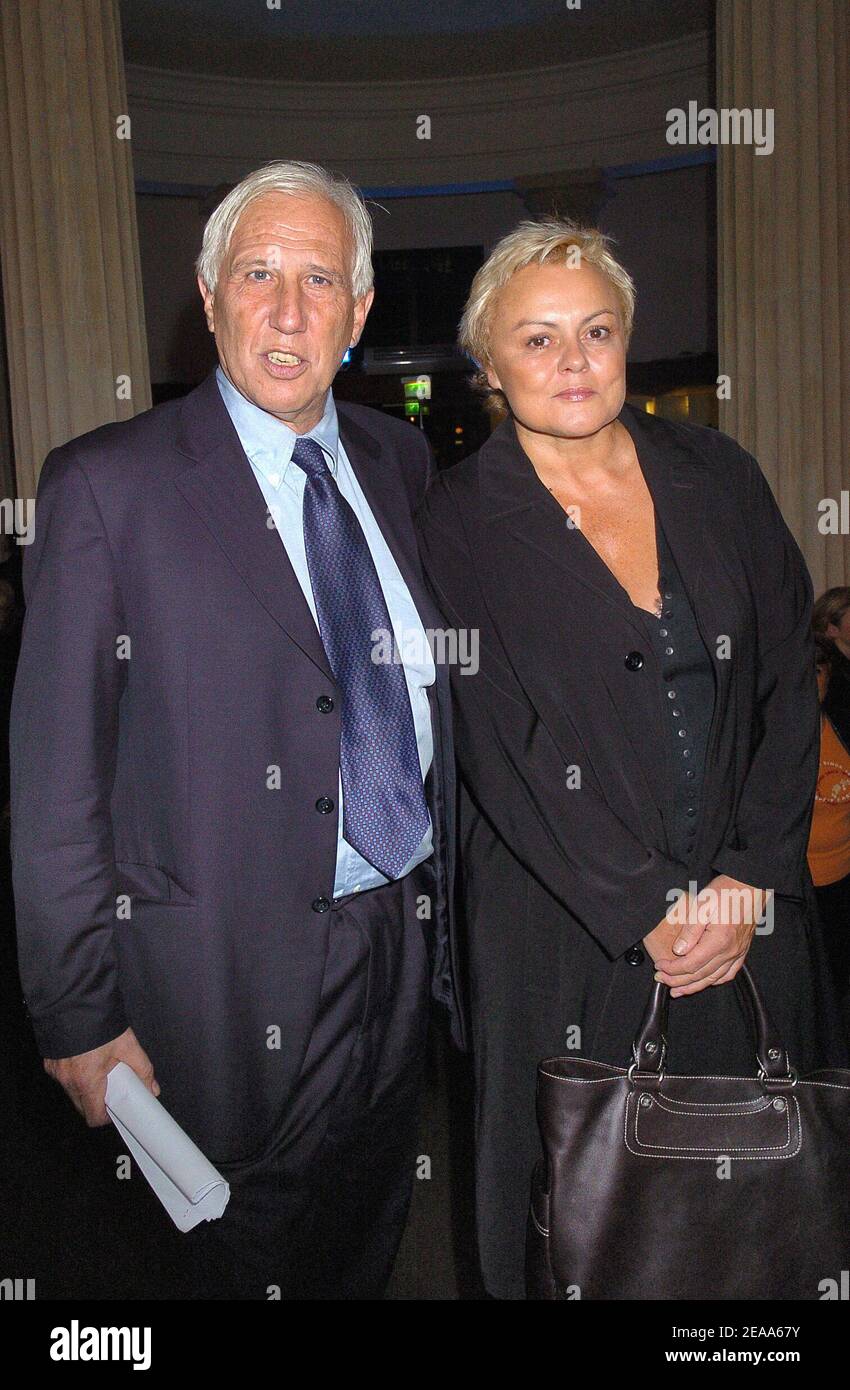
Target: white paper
<point>187,1184</point>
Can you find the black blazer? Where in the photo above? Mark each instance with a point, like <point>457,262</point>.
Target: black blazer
<point>561,881</point>
<point>146,775</point>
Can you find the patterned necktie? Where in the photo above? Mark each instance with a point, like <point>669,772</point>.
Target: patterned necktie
<point>385,814</point>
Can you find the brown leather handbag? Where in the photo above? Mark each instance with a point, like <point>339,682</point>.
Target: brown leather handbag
<point>657,1186</point>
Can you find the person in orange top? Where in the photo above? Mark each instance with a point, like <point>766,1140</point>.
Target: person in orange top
<point>829,838</point>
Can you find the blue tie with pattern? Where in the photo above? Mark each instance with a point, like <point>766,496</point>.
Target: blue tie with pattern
<point>385,814</point>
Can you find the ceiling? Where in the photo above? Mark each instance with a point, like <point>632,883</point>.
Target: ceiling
<point>362,40</point>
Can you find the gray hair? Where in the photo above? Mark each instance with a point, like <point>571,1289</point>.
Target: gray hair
<point>290,176</point>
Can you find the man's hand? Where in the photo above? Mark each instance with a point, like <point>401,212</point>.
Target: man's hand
<point>722,920</point>
<point>84,1077</point>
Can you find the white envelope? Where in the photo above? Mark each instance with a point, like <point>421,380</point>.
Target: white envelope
<point>187,1184</point>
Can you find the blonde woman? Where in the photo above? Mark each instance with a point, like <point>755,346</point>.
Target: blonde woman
<point>638,749</point>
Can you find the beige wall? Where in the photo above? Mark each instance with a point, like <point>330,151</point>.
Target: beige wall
<point>194,129</point>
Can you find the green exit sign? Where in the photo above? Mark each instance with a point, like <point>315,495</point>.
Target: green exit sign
<point>417,388</point>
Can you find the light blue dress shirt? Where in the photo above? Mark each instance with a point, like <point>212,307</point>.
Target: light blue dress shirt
<point>268,444</point>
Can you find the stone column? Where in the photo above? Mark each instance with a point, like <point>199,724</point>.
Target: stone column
<point>783,237</point>
<point>75,331</point>
<point>7,472</point>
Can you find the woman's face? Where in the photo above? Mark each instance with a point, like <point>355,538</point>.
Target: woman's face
<point>556,350</point>
<point>840,632</point>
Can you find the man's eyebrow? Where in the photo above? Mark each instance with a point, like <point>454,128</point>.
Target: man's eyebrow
<point>247,261</point>
<point>324,270</point>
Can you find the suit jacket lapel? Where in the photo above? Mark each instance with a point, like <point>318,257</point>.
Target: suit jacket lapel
<point>518,504</point>
<point>528,547</point>
<point>221,488</point>
<point>387,496</point>
<point>676,478</point>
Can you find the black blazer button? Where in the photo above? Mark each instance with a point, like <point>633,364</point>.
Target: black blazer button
<point>635,956</point>
<point>634,661</point>
<point>320,904</point>
<point>324,704</point>
<point>324,805</point>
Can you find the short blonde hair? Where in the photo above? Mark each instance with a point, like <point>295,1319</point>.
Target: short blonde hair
<point>551,241</point>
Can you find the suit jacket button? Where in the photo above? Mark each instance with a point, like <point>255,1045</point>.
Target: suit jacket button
<point>324,704</point>
<point>324,805</point>
<point>635,956</point>
<point>320,904</point>
<point>634,661</point>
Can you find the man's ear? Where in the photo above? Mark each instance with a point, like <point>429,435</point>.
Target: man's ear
<point>361,310</point>
<point>207,296</point>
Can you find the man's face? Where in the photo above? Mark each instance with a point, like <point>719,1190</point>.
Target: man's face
<point>282,312</point>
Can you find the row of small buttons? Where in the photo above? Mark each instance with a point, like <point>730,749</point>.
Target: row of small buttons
<point>324,805</point>
<point>635,661</point>
<point>690,811</point>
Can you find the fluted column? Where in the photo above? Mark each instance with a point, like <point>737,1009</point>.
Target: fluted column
<point>70,257</point>
<point>783,237</point>
<point>7,474</point>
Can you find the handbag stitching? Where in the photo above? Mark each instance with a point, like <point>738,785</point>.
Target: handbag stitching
<point>706,1114</point>
<point>711,1156</point>
<point>580,1080</point>
<point>588,1062</point>
<point>542,1229</point>
<point>831,1085</point>
<point>680,1076</point>
<point>728,1105</point>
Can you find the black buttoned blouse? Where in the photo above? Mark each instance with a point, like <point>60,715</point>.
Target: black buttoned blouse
<point>686,693</point>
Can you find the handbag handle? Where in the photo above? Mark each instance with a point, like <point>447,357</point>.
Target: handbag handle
<point>650,1043</point>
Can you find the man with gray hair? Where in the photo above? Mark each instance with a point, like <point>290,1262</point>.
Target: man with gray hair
<point>232,824</point>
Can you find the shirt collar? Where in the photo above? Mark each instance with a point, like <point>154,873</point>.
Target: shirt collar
<point>269,442</point>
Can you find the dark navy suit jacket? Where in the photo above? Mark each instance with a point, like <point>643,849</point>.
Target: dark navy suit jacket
<point>169,661</point>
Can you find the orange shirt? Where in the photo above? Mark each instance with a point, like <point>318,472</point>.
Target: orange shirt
<point>829,839</point>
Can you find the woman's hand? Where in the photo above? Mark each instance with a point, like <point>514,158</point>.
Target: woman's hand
<point>710,947</point>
